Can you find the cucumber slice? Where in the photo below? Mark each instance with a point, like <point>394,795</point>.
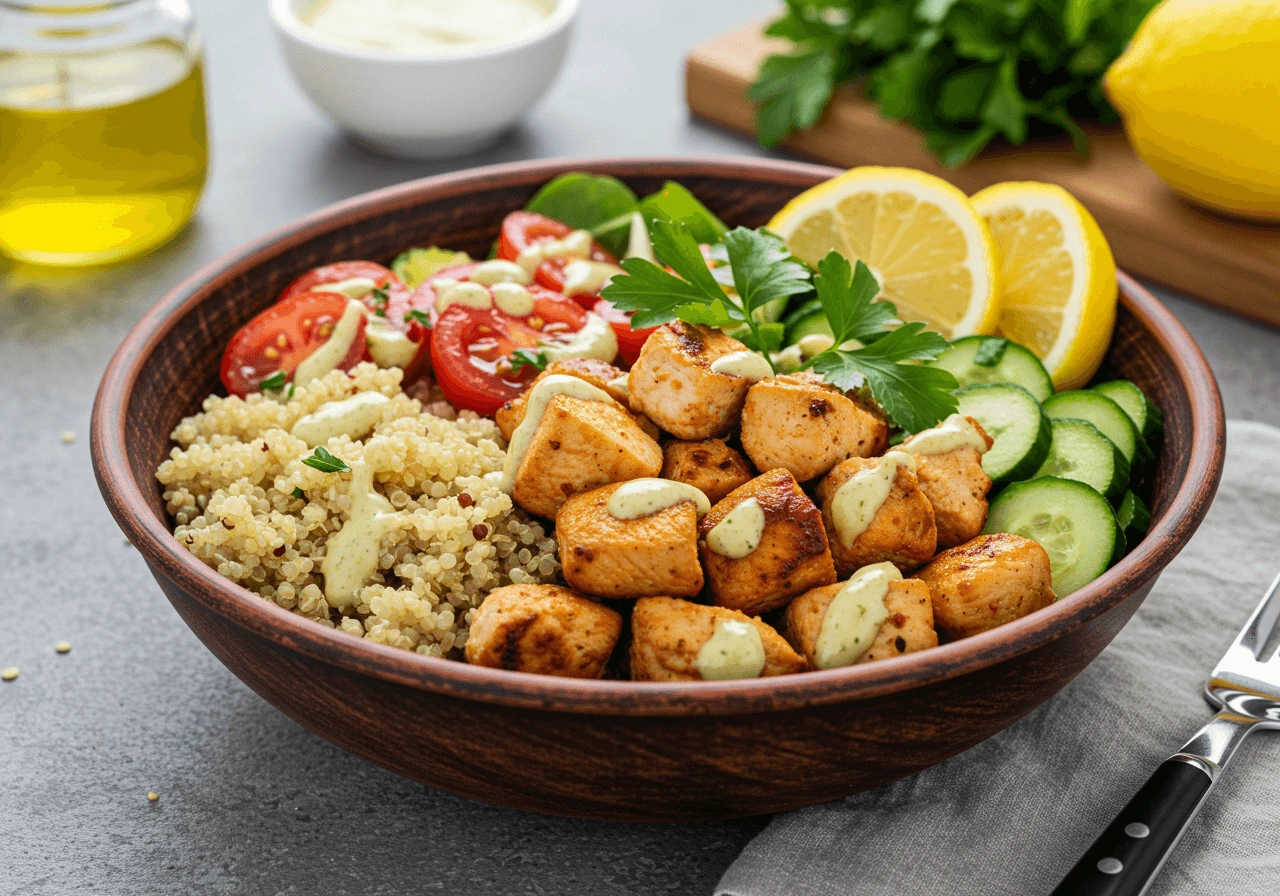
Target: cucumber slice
<point>1071,521</point>
<point>813,325</point>
<point>1134,518</point>
<point>1013,418</point>
<point>804,309</point>
<point>1106,415</point>
<point>1081,452</point>
<point>1017,365</point>
<point>1146,417</point>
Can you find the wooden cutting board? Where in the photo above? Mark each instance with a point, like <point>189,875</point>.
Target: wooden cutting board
<point>1153,232</point>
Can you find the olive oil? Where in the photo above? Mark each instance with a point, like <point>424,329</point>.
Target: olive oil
<point>102,154</point>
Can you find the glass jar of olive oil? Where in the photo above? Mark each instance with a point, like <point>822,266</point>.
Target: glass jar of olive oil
<point>103,143</point>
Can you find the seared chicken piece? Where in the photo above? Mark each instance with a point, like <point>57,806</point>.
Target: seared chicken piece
<point>600,374</point>
<point>804,425</point>
<point>611,557</point>
<point>987,582</point>
<point>709,465</point>
<point>902,531</point>
<point>669,642</point>
<point>908,628</point>
<point>579,445</point>
<point>957,487</point>
<point>791,554</point>
<point>672,382</point>
<point>544,629</point>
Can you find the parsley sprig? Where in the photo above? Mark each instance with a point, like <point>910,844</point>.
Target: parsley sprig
<point>760,270</point>
<point>527,357</point>
<point>872,349</point>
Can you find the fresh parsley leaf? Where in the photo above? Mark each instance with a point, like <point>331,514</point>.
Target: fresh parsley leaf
<point>765,337</point>
<point>420,316</point>
<point>379,298</point>
<point>916,397</point>
<point>792,92</point>
<point>762,268</point>
<point>274,383</point>
<point>990,351</point>
<point>325,462</point>
<point>524,357</point>
<point>717,314</point>
<point>657,296</point>
<point>298,493</point>
<point>293,387</point>
<point>848,300</point>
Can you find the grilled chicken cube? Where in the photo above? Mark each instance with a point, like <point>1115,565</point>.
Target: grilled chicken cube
<point>908,628</point>
<point>544,629</point>
<point>806,426</point>
<point>672,382</point>
<point>675,640</point>
<point>987,582</point>
<point>790,553</point>
<point>611,557</point>
<point>579,445</point>
<point>600,374</point>
<point>901,529</point>
<point>709,465</point>
<point>957,487</point>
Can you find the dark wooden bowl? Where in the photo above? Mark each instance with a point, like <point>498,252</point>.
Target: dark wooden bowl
<point>609,749</point>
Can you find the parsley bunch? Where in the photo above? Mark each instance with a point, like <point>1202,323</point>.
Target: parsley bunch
<point>873,349</point>
<point>962,71</point>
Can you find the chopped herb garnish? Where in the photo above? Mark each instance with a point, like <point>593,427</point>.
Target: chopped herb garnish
<point>419,316</point>
<point>523,357</point>
<point>325,462</point>
<point>293,387</point>
<point>990,351</point>
<point>273,383</point>
<point>298,493</point>
<point>379,298</point>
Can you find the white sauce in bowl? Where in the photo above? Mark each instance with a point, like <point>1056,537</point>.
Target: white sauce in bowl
<point>426,26</point>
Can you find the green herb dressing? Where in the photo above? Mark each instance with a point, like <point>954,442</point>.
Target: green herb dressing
<point>738,534</point>
<point>354,417</point>
<point>953,433</point>
<point>734,650</point>
<point>535,406</point>
<point>352,553</point>
<point>854,616</point>
<point>746,365</point>
<point>572,245</point>
<point>856,502</point>
<point>585,277</point>
<point>645,497</point>
<point>330,355</point>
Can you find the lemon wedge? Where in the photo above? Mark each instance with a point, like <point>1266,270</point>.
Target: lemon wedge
<point>927,246</point>
<point>1058,275</point>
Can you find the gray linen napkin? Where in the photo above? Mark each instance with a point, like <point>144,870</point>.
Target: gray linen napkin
<point>1012,815</point>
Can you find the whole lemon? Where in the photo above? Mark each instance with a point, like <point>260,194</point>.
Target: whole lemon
<point>1199,91</point>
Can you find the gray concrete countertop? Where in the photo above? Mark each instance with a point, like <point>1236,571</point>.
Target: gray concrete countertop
<point>250,802</point>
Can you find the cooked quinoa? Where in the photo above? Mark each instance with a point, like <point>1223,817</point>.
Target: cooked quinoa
<point>230,489</point>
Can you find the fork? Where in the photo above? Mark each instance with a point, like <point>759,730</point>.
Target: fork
<point>1245,689</point>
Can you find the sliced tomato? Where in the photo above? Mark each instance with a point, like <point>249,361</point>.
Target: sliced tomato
<point>471,348</point>
<point>629,341</point>
<point>396,304</point>
<point>282,336</point>
<point>520,230</point>
<point>424,297</point>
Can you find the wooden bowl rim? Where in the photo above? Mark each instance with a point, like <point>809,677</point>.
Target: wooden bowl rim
<point>154,538</point>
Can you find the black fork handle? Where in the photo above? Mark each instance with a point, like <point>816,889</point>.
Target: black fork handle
<point>1126,857</point>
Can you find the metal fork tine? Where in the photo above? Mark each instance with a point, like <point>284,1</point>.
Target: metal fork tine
<point>1261,624</point>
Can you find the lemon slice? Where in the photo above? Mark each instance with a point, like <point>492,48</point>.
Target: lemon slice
<point>1059,277</point>
<point>929,249</point>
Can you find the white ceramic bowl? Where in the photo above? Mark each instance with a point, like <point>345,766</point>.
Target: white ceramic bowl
<point>423,105</point>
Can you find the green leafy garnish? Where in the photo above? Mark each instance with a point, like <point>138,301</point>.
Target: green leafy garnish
<point>298,493</point>
<point>990,351</point>
<point>420,316</point>
<point>914,396</point>
<point>379,298</point>
<point>525,357</point>
<point>676,205</point>
<point>273,383</point>
<point>594,202</point>
<point>962,71</point>
<point>325,462</point>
